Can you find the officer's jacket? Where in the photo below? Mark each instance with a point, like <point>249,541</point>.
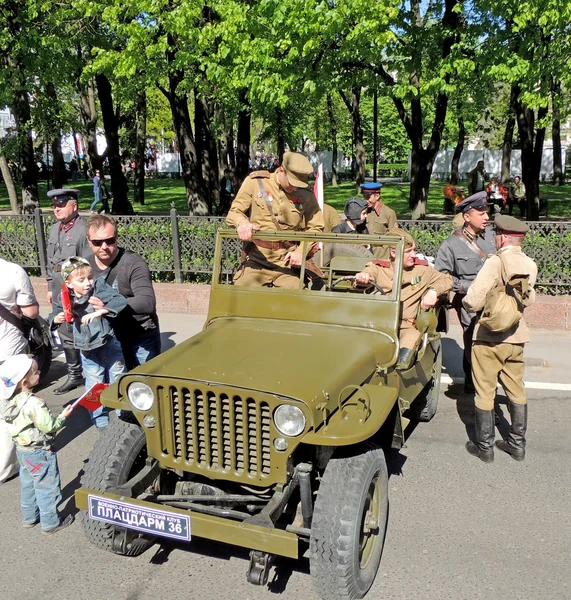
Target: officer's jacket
<point>62,245</point>
<point>296,211</point>
<point>459,260</point>
<point>517,263</point>
<point>415,283</point>
<point>380,224</point>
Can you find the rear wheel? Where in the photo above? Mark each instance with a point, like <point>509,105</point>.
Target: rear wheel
<point>349,524</point>
<point>39,341</point>
<point>119,454</point>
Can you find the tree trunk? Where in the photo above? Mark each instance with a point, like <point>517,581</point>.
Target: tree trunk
<point>333,125</point>
<point>353,106</point>
<point>88,111</point>
<point>110,123</point>
<point>454,175</point>
<point>421,170</point>
<point>280,136</point>
<point>205,140</point>
<point>186,145</point>
<point>243,139</point>
<point>558,177</point>
<point>28,168</point>
<point>531,152</point>
<point>230,147</point>
<point>58,164</point>
<point>9,181</point>
<point>139,183</point>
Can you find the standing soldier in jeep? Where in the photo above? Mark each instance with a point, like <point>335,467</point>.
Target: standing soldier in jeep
<point>275,202</point>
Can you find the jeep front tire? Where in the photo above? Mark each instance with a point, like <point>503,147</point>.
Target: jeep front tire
<point>349,524</point>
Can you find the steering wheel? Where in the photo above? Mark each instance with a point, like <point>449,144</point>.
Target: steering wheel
<point>371,284</point>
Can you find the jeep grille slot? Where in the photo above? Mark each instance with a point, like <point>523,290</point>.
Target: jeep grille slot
<point>219,432</point>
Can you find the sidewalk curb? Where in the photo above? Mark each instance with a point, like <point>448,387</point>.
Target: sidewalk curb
<point>548,312</point>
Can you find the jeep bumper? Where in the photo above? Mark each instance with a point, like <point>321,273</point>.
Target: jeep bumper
<point>131,514</point>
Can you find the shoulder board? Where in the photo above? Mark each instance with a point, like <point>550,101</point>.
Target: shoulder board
<point>259,175</point>
<point>421,261</point>
<point>382,263</point>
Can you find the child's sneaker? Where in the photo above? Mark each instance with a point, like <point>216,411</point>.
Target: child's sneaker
<point>29,524</point>
<point>65,523</point>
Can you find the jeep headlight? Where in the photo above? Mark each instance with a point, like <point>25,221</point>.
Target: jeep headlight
<point>140,395</point>
<point>289,420</point>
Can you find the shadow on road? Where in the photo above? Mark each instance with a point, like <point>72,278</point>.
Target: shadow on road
<point>166,342</point>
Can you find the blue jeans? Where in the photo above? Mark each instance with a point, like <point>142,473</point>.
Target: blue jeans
<point>97,199</point>
<point>102,365</point>
<point>146,347</point>
<point>41,487</point>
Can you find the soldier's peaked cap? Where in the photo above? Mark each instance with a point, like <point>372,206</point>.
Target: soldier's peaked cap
<point>60,194</point>
<point>511,225</point>
<point>297,169</point>
<point>398,232</point>
<point>370,188</point>
<point>477,201</point>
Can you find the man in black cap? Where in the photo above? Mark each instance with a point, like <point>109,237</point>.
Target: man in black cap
<point>278,201</point>
<point>462,255</point>
<point>354,213</point>
<point>67,238</point>
<point>498,355</point>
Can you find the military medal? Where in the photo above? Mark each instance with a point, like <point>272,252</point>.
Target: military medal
<point>415,280</point>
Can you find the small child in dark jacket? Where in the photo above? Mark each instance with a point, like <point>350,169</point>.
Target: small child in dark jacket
<point>101,354</point>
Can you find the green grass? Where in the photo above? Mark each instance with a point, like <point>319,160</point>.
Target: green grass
<point>160,193</point>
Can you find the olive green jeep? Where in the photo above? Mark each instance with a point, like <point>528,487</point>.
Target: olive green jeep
<point>268,429</point>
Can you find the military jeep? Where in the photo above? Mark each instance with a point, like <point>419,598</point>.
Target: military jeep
<point>268,429</point>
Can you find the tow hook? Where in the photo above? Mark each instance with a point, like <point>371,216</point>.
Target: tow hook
<point>260,565</point>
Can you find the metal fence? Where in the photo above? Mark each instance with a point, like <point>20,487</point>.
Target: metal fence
<point>179,248</point>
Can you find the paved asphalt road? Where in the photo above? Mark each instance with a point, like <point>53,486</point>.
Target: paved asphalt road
<point>458,528</point>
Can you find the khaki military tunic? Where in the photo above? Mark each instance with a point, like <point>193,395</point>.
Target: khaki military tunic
<point>331,218</point>
<point>415,283</point>
<point>379,222</point>
<point>499,355</point>
<point>296,211</point>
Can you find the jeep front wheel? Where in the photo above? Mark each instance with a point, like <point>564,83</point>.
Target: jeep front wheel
<point>118,455</point>
<point>349,524</point>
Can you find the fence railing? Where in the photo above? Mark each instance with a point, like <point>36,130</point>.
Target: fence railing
<point>180,248</point>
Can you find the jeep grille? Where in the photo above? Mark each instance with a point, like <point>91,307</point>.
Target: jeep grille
<point>221,432</point>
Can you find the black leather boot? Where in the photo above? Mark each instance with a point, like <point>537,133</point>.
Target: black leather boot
<point>74,372</point>
<point>405,358</point>
<point>483,448</point>
<point>515,444</point>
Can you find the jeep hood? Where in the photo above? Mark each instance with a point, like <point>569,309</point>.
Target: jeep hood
<point>293,359</point>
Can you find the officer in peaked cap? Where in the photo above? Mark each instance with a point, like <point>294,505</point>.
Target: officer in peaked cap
<point>498,355</point>
<point>279,201</point>
<point>510,226</point>
<point>66,238</point>
<point>379,218</point>
<point>462,255</point>
<point>61,197</point>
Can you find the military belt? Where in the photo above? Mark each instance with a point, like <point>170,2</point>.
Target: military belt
<point>272,245</point>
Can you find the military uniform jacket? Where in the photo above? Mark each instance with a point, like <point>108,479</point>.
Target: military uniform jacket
<point>62,245</point>
<point>517,263</point>
<point>459,260</point>
<point>331,218</point>
<point>379,223</point>
<point>296,211</point>
<point>415,283</point>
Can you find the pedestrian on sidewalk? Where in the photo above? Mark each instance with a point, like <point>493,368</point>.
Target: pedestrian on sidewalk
<point>96,191</point>
<point>32,427</point>
<point>498,355</point>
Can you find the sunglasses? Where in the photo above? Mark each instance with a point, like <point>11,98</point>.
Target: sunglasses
<point>109,241</point>
<point>60,202</point>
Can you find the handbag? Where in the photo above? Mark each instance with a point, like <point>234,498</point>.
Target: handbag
<point>506,302</point>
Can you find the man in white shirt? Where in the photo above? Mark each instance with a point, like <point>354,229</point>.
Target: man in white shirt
<point>17,299</point>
